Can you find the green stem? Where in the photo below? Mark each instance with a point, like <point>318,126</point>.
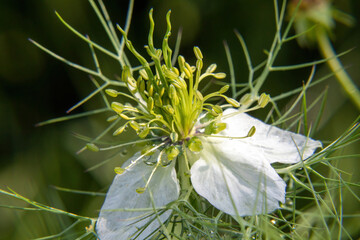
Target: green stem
<point>344,79</point>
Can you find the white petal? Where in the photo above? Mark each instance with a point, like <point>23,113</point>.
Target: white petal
<point>113,223</point>
<point>236,183</point>
<point>275,144</point>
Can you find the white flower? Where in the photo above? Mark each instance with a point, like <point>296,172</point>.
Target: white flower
<point>234,175</point>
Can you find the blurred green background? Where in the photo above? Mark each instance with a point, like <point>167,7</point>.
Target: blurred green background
<point>35,87</point>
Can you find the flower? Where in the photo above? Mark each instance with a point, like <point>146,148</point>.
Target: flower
<point>234,175</point>
<point>225,153</point>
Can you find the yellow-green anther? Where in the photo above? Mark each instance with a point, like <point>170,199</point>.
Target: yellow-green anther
<point>263,100</point>
<point>123,116</point>
<point>117,107</point>
<point>199,95</point>
<point>144,132</point>
<point>251,131</point>
<point>162,91</point>
<point>158,101</point>
<point>140,190</point>
<point>131,81</point>
<point>92,147</point>
<point>187,73</point>
<point>134,125</point>
<point>168,73</point>
<point>176,71</point>
<point>217,109</point>
<point>150,103</point>
<point>119,170</point>
<point>232,101</point>
<point>120,130</point>
<point>220,75</point>
<point>187,66</point>
<point>198,53</point>
<point>142,86</point>
<point>158,53</point>
<point>112,118</point>
<point>125,73</point>
<point>211,68</point>
<point>246,99</point>
<point>174,137</point>
<point>181,62</point>
<point>195,144</point>
<point>173,95</point>
<point>224,89</point>
<point>172,152</point>
<point>219,127</point>
<point>199,64</point>
<point>112,92</point>
<point>143,74</point>
<point>169,109</point>
<point>150,90</point>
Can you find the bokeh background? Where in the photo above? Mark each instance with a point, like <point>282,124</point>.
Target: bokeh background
<point>35,87</point>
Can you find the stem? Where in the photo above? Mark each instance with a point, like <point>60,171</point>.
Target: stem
<point>344,79</point>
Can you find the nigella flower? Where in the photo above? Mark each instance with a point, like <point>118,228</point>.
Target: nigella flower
<point>225,154</point>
